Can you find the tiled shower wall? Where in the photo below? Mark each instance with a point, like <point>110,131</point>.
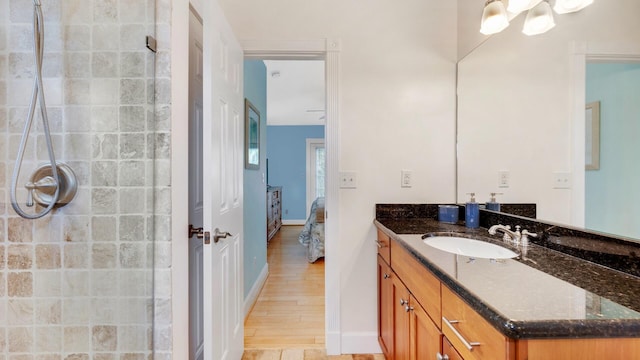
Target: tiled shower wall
<point>79,283</point>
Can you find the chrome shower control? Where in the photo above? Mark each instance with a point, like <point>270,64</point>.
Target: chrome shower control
<point>42,186</point>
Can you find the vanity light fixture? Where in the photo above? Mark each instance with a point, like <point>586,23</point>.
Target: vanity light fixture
<point>539,16</point>
<point>568,6</point>
<point>539,19</point>
<point>494,17</point>
<point>518,6</point>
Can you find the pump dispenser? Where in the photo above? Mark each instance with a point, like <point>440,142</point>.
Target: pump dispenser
<point>472,212</point>
<point>493,204</point>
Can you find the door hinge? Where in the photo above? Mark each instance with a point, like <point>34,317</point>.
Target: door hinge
<point>151,43</point>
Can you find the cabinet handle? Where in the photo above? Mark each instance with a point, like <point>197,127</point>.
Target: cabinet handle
<point>408,308</point>
<point>386,276</point>
<point>380,244</point>
<point>403,301</point>
<point>442,357</point>
<point>468,345</point>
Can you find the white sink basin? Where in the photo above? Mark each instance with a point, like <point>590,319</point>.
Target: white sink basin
<point>469,247</point>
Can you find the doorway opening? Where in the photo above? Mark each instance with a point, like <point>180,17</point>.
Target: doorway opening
<point>290,95</point>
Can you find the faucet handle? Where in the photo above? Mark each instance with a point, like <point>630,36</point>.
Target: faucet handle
<point>524,239</point>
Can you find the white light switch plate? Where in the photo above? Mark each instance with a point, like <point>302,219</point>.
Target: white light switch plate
<point>405,178</point>
<point>561,180</point>
<point>348,180</point>
<point>503,179</point>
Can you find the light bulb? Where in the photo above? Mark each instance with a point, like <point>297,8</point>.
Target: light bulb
<point>539,19</point>
<point>568,6</point>
<point>494,17</point>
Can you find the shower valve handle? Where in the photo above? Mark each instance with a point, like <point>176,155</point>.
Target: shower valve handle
<point>46,185</point>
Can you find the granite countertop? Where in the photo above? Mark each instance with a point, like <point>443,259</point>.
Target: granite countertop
<point>542,293</point>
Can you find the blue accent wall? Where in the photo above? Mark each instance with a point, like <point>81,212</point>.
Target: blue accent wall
<point>287,152</point>
<point>612,201</point>
<point>255,190</point>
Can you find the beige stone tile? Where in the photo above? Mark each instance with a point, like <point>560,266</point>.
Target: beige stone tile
<point>20,230</point>
<point>19,339</point>
<point>105,338</point>
<point>48,256</point>
<point>19,257</point>
<point>20,284</point>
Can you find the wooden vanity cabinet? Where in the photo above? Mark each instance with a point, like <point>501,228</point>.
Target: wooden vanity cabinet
<point>415,336</point>
<point>405,329</point>
<point>385,308</point>
<point>412,306</point>
<point>424,336</point>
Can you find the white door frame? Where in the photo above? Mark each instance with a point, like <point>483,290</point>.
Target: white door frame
<point>311,166</point>
<point>329,50</point>
<point>179,43</point>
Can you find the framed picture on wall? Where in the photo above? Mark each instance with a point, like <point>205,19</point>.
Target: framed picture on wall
<point>592,138</point>
<point>251,136</point>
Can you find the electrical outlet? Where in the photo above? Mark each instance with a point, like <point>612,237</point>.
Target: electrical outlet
<point>503,179</point>
<point>561,180</point>
<point>405,178</point>
<point>348,180</point>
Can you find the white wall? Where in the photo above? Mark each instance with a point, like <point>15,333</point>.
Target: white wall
<point>515,105</point>
<point>397,111</point>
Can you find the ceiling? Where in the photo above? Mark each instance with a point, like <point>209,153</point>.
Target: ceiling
<point>295,92</point>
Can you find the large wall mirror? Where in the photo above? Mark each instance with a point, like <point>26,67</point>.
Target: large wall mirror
<point>521,110</point>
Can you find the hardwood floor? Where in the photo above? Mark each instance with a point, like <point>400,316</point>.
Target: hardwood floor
<point>287,321</point>
<point>289,313</point>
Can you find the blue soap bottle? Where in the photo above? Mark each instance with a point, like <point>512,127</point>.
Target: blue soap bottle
<point>472,212</point>
<point>493,204</point>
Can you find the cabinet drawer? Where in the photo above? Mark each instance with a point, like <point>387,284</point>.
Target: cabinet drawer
<point>383,246</point>
<point>471,327</point>
<point>423,284</point>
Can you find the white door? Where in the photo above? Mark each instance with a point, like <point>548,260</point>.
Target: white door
<point>222,191</point>
<point>196,316</point>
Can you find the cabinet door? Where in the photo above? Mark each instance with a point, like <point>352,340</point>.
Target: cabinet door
<point>448,352</point>
<point>385,308</point>
<point>425,337</point>
<point>401,338</point>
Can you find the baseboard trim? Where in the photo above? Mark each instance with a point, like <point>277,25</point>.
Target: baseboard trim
<point>360,343</point>
<point>294,222</point>
<point>332,342</point>
<point>252,296</point>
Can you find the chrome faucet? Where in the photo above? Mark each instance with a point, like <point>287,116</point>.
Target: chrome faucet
<point>508,234</point>
<point>514,237</point>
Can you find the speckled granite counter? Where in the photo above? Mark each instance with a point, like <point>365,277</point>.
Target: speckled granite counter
<point>541,294</point>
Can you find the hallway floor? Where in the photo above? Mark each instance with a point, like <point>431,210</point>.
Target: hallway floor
<point>289,312</point>
<point>287,321</point>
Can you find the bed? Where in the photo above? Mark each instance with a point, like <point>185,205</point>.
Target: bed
<point>312,235</point>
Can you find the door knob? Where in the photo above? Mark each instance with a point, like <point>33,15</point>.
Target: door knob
<point>217,235</point>
<point>195,231</point>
